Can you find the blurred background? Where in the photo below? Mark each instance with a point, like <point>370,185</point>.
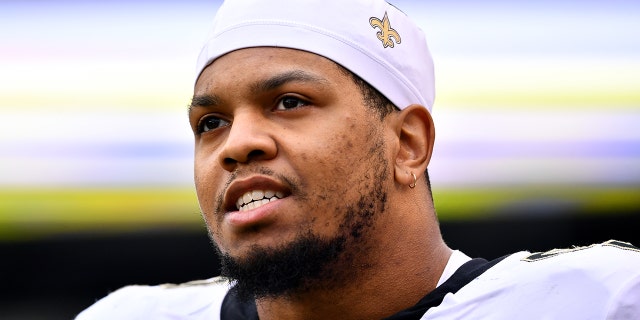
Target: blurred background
<point>537,116</point>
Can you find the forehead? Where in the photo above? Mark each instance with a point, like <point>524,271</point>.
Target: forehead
<point>261,62</point>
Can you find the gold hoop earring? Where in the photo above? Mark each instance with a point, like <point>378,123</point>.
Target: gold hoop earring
<point>415,179</point>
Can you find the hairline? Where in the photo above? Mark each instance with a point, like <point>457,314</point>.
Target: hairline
<point>379,103</point>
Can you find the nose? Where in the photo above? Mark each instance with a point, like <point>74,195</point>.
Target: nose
<point>250,139</point>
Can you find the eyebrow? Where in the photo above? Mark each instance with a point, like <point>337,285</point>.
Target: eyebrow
<point>265,85</point>
<point>281,79</point>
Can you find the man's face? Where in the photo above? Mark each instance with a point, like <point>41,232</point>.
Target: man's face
<point>285,150</point>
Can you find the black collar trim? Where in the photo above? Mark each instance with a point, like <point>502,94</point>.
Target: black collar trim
<point>235,309</point>
<point>465,274</point>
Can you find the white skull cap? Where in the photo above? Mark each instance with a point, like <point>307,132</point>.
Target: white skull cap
<point>371,38</point>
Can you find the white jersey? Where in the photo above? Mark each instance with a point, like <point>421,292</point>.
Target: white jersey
<point>195,300</point>
<point>596,282</point>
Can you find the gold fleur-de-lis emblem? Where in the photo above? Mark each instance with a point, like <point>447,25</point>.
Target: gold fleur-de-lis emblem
<point>386,33</point>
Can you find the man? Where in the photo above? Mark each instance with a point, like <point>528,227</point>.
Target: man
<point>313,135</point>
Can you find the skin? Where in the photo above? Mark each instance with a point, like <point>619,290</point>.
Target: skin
<point>319,152</point>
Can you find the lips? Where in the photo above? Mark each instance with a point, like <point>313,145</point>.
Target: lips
<point>257,198</point>
<point>253,192</point>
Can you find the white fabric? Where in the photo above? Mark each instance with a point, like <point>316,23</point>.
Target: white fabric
<point>597,282</point>
<point>197,300</point>
<point>456,260</point>
<point>339,30</point>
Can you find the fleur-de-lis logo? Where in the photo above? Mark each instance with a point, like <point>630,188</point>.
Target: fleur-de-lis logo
<point>386,32</point>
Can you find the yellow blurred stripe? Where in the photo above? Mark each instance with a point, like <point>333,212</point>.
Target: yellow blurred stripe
<point>460,204</point>
<point>538,82</point>
<point>29,213</point>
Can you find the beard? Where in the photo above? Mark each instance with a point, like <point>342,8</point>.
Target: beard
<point>282,271</point>
<point>311,262</point>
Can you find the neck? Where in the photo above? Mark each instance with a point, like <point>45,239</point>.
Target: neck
<point>395,275</point>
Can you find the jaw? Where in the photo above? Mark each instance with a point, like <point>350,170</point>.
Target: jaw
<point>302,261</point>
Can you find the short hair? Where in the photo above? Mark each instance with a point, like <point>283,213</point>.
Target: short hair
<point>378,103</point>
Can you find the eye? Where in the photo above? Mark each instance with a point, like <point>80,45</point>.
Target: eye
<point>211,123</point>
<point>289,102</point>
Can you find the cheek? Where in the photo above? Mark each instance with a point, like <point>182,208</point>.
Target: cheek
<point>329,160</point>
<point>206,178</point>
<point>334,169</point>
<point>203,191</point>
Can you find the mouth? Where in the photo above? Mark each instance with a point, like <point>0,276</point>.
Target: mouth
<point>253,192</point>
<point>257,198</point>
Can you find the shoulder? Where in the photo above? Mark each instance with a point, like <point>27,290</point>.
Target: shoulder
<point>605,274</point>
<point>611,263</point>
<point>602,252</point>
<point>610,257</point>
<point>193,300</point>
<point>593,282</point>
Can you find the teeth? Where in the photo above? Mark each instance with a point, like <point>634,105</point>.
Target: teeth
<point>257,194</point>
<point>257,198</point>
<point>247,197</point>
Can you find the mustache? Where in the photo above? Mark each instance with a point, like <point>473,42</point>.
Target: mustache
<point>292,183</point>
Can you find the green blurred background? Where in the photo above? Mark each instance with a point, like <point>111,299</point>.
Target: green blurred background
<point>537,116</point>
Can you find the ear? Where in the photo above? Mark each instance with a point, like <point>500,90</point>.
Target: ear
<point>416,134</point>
